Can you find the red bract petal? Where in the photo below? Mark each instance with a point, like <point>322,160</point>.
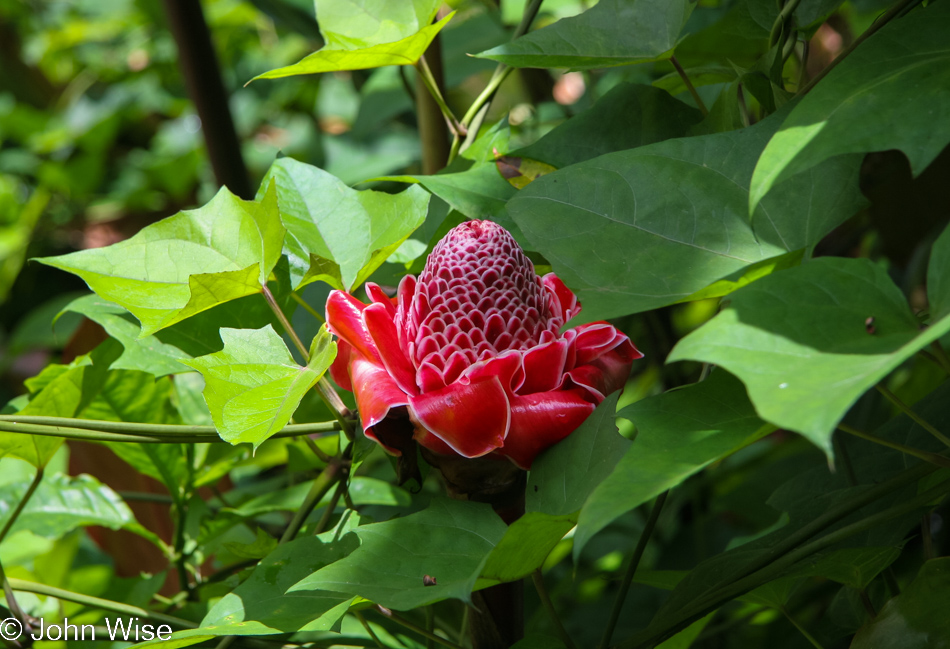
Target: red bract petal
<point>565,298</point>
<point>594,340</point>
<point>544,367</point>
<point>541,420</point>
<point>340,368</point>
<point>376,392</point>
<point>343,318</point>
<point>378,296</point>
<point>506,367</point>
<point>382,329</point>
<point>473,419</point>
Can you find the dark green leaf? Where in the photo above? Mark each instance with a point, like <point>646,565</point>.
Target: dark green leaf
<point>525,546</point>
<point>678,433</point>
<point>798,340</point>
<point>915,619</point>
<point>873,101</point>
<point>563,476</point>
<point>938,277</point>
<point>613,32</point>
<point>449,541</point>
<point>628,116</point>
<point>665,220</point>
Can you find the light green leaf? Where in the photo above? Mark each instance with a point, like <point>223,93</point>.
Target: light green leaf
<point>682,206</point>
<point>875,100</point>
<point>938,277</point>
<point>253,385</point>
<point>342,234</point>
<point>359,49</point>
<point>147,354</point>
<point>187,263</point>
<point>613,32</point>
<point>678,433</point>
<point>563,476</point>
<point>628,116</point>
<point>62,503</point>
<point>799,341</point>
<point>915,619</point>
<point>449,541</point>
<point>525,546</point>
<point>60,391</point>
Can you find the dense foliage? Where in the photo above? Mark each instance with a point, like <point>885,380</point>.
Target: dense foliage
<point>754,192</point>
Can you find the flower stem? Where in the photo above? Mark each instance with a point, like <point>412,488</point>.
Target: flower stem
<point>538,580</point>
<point>689,85</point>
<point>96,602</point>
<point>425,73</point>
<point>23,501</point>
<point>923,423</point>
<point>632,568</point>
<point>933,458</point>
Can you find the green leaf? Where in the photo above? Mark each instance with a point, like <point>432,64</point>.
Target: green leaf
<point>60,391</point>
<point>747,276</point>
<point>148,354</point>
<point>875,100</point>
<point>938,277</point>
<point>340,234</point>
<point>678,433</point>
<point>798,339</point>
<point>628,116</point>
<point>62,503</point>
<point>613,32</point>
<point>448,541</point>
<point>363,491</point>
<point>253,385</point>
<point>478,192</point>
<point>525,546</point>
<point>364,42</point>
<point>187,263</point>
<point>915,619</point>
<point>682,206</point>
<point>563,476</point>
<point>854,567</point>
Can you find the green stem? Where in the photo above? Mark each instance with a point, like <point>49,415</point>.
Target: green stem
<point>781,20</point>
<point>774,569</point>
<point>891,13</point>
<point>23,501</point>
<point>498,77</point>
<point>96,602</point>
<point>923,423</point>
<point>433,87</point>
<point>632,569</point>
<point>12,604</point>
<point>538,580</point>
<point>941,355</point>
<point>430,626</point>
<point>309,309</point>
<point>84,431</point>
<point>285,323</point>
<point>326,459</point>
<point>173,431</point>
<point>932,458</point>
<point>318,490</point>
<point>689,85</point>
<point>385,612</point>
<point>811,639</point>
<point>331,506</point>
<point>369,629</point>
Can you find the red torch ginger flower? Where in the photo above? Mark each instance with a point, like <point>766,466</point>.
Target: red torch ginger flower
<point>469,359</point>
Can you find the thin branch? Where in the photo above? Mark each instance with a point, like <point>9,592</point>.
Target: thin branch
<point>369,629</point>
<point>97,602</point>
<point>318,490</point>
<point>285,323</point>
<point>538,580</point>
<point>932,458</point>
<point>689,85</point>
<point>331,506</point>
<point>941,355</point>
<point>385,612</point>
<point>23,501</point>
<point>309,309</point>
<point>425,73</point>
<point>811,639</point>
<point>632,568</point>
<point>923,423</point>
